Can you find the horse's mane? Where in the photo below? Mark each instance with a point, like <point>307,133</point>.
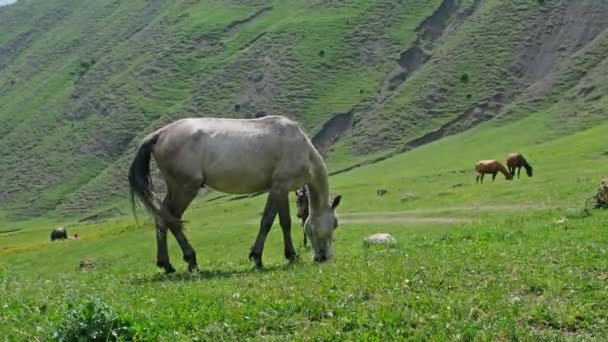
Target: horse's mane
<point>502,169</point>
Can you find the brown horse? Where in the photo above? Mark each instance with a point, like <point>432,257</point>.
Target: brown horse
<point>517,161</point>
<point>491,167</point>
<point>302,207</point>
<point>236,156</point>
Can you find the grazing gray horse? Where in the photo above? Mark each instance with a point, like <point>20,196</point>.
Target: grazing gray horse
<point>236,156</point>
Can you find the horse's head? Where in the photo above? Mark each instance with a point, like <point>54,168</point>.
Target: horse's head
<point>529,171</point>
<point>320,230</point>
<point>301,203</point>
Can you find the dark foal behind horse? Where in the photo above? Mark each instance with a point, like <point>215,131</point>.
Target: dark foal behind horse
<point>302,207</point>
<point>517,161</point>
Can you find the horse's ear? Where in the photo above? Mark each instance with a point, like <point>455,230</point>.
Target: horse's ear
<point>335,202</point>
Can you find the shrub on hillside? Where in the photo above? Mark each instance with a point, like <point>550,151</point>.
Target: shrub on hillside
<point>601,196</point>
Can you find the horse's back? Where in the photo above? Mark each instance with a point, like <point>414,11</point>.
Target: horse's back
<point>234,155</point>
<point>514,159</point>
<point>486,165</point>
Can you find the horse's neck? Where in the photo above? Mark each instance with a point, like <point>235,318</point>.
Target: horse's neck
<point>503,170</point>
<point>318,188</point>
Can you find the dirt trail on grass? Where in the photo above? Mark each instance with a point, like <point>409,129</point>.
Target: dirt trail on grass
<point>422,216</point>
<point>405,220</point>
<point>471,209</point>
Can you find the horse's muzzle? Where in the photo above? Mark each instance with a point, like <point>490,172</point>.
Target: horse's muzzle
<point>320,258</point>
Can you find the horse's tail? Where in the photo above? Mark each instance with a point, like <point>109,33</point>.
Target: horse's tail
<point>140,182</point>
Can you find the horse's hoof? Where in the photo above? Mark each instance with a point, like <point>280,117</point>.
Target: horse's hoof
<point>166,266</point>
<point>193,269</point>
<point>292,257</point>
<point>253,256</point>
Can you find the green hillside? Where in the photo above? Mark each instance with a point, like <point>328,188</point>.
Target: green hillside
<point>82,81</point>
<point>402,96</point>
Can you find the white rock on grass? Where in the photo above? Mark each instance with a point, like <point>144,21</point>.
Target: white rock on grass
<point>380,239</point>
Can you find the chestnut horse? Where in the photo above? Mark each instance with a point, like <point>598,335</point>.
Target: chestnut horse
<point>236,156</point>
<point>302,207</point>
<point>491,167</point>
<point>517,161</point>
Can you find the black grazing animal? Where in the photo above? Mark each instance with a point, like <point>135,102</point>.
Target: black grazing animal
<point>515,161</point>
<point>302,207</point>
<point>59,234</point>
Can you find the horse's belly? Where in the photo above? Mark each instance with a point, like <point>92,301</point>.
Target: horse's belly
<point>238,181</point>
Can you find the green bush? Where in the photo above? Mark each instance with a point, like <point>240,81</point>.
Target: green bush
<point>93,320</point>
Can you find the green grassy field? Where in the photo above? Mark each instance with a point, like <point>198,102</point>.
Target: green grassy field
<point>473,262</point>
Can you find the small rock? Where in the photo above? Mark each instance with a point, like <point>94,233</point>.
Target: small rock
<point>381,192</point>
<point>408,196</point>
<point>560,221</point>
<point>87,264</point>
<point>458,185</point>
<point>256,76</point>
<point>380,239</point>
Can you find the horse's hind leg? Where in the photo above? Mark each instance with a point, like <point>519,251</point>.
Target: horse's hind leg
<point>270,212</point>
<point>177,201</point>
<point>285,221</point>
<point>162,256</point>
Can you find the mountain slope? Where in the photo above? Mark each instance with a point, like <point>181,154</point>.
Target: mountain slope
<point>82,81</point>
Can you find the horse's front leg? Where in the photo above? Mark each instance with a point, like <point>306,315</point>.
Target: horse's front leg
<point>270,212</point>
<point>494,176</point>
<point>304,231</point>
<point>482,175</point>
<point>285,221</point>
<point>518,172</point>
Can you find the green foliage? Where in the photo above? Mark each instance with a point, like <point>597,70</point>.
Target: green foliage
<point>92,320</point>
<point>464,78</point>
